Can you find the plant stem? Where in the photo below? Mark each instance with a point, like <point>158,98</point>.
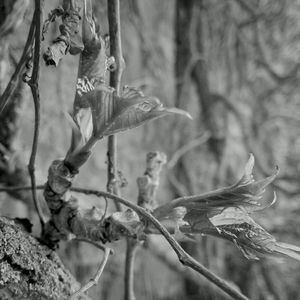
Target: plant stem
<point>94,280</point>
<point>33,83</point>
<point>132,246</point>
<point>113,7</point>
<point>183,257</point>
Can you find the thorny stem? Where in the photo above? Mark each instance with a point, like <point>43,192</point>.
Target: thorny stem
<point>94,280</point>
<point>113,7</point>
<point>33,83</point>
<point>6,96</point>
<point>184,257</point>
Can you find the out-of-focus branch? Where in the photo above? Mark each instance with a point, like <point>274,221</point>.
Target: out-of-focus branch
<point>263,61</point>
<point>147,186</point>
<point>187,147</point>
<point>95,280</point>
<point>6,96</point>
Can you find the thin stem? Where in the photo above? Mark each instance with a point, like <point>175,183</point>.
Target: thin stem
<point>113,10</point>
<point>33,83</point>
<point>94,280</point>
<point>6,96</point>
<point>113,7</point>
<point>97,245</point>
<point>131,249</point>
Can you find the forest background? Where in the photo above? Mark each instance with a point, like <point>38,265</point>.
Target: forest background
<point>234,66</point>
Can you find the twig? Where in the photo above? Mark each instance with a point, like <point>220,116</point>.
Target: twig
<point>94,280</point>
<point>97,245</point>
<point>6,96</point>
<point>33,83</point>
<point>187,147</point>
<point>113,7</point>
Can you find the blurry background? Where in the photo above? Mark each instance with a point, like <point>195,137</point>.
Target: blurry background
<point>234,66</point>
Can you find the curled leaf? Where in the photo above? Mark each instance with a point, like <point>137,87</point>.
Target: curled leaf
<point>245,193</point>
<point>236,225</point>
<point>225,213</point>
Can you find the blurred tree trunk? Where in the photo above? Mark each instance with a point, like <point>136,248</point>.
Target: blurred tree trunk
<point>12,167</point>
<point>190,67</point>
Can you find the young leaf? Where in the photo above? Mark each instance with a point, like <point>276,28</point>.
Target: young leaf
<point>114,114</point>
<point>236,225</point>
<point>245,193</point>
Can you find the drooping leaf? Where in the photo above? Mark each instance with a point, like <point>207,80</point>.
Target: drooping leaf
<point>112,114</point>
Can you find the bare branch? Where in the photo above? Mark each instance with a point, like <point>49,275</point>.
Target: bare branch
<point>187,147</point>
<point>33,83</point>
<point>113,7</point>
<point>94,281</point>
<point>6,96</point>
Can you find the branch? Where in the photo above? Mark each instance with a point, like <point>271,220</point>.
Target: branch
<point>6,96</point>
<point>94,281</point>
<point>113,7</point>
<point>147,186</point>
<point>184,258</point>
<point>187,147</point>
<point>34,85</point>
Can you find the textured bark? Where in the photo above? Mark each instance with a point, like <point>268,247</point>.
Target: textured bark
<point>30,270</point>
